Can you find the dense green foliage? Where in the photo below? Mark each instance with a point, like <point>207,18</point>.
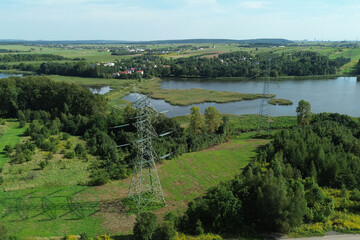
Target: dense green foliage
<point>234,64</point>
<point>279,190</point>
<point>303,112</point>
<point>257,201</point>
<point>41,93</point>
<point>328,150</point>
<point>30,57</point>
<point>357,67</point>
<point>145,226</point>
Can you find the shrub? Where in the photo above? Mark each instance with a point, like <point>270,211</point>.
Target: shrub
<point>80,150</point>
<point>43,164</point>
<point>84,236</point>
<point>103,237</point>
<point>99,177</point>
<point>145,226</point>
<point>71,237</point>
<point>69,155</point>
<point>68,144</point>
<point>8,149</point>
<point>65,136</point>
<point>1,182</point>
<point>166,231</point>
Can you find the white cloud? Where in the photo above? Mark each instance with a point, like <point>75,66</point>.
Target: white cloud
<point>252,5</point>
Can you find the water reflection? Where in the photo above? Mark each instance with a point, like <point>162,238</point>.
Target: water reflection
<point>340,95</point>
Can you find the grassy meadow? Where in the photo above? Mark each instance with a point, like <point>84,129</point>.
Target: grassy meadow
<point>55,201</point>
<point>12,134</point>
<point>185,97</point>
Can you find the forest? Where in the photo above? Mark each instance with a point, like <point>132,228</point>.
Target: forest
<point>30,57</point>
<point>284,186</point>
<point>53,107</point>
<point>233,64</point>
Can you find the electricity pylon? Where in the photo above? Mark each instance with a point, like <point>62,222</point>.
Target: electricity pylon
<point>264,112</point>
<point>145,187</point>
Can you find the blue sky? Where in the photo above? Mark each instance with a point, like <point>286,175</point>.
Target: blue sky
<point>179,19</point>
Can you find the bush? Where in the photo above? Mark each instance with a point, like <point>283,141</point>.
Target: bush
<point>166,231</point>
<point>68,144</point>
<point>8,149</point>
<point>43,164</point>
<point>84,236</point>
<point>69,155</point>
<point>80,150</point>
<point>99,177</point>
<point>145,226</point>
<point>65,136</point>
<point>1,182</point>
<point>103,237</point>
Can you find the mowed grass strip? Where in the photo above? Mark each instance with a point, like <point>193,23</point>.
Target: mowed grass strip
<point>11,137</point>
<point>190,175</point>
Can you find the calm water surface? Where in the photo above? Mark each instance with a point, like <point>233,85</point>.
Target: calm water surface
<point>340,95</point>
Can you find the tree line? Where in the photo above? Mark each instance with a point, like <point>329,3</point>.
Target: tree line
<point>280,189</point>
<point>30,57</point>
<point>234,64</point>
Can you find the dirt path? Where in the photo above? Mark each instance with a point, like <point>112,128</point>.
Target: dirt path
<point>330,236</point>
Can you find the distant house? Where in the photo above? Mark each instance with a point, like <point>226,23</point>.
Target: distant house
<point>125,72</point>
<point>110,64</point>
<point>132,70</point>
<point>141,72</point>
<point>166,66</point>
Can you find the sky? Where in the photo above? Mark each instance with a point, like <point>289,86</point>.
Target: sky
<point>142,20</point>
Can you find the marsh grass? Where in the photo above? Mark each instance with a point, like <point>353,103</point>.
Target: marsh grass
<point>185,97</point>
<point>279,101</point>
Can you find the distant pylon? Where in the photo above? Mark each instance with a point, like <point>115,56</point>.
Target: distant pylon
<point>145,187</point>
<point>264,112</point>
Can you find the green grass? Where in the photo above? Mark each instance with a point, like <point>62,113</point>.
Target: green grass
<point>11,137</point>
<point>191,174</point>
<point>279,101</point>
<point>58,172</point>
<point>185,97</point>
<point>45,212</point>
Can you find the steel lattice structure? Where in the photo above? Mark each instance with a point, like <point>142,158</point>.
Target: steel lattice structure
<point>145,187</point>
<point>264,112</point>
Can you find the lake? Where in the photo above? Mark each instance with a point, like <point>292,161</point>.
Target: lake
<point>340,95</point>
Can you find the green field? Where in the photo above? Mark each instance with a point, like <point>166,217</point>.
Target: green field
<point>185,177</point>
<point>11,137</point>
<point>65,207</point>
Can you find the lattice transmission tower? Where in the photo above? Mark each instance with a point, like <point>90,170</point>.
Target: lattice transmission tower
<point>264,112</point>
<point>145,187</point>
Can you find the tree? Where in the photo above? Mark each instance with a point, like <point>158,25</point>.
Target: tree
<point>212,119</point>
<point>196,120</point>
<point>145,226</point>
<point>303,113</point>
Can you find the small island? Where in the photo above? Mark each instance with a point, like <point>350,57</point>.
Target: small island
<point>280,101</point>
